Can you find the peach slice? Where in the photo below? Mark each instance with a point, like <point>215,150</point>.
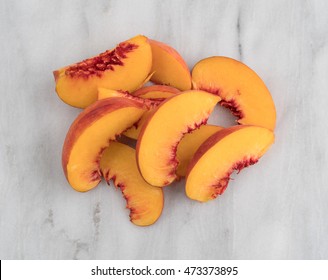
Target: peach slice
<point>156,92</point>
<point>104,93</point>
<point>145,81</point>
<point>133,131</point>
<point>163,130</point>
<point>169,67</point>
<point>144,201</point>
<point>227,150</point>
<point>90,134</point>
<point>241,89</point>
<point>190,143</point>
<point>123,68</point>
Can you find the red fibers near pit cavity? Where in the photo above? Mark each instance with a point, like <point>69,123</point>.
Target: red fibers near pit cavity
<point>222,184</point>
<point>173,161</point>
<point>133,210</point>
<point>233,106</point>
<point>95,176</point>
<point>104,61</point>
<point>215,91</point>
<point>122,187</point>
<point>244,163</point>
<point>106,176</point>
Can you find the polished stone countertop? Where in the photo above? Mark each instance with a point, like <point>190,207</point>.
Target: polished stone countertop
<point>277,209</point>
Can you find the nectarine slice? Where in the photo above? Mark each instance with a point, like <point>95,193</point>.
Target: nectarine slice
<point>169,67</point>
<point>227,150</point>
<point>241,89</point>
<point>156,92</point>
<point>144,201</point>
<point>190,143</point>
<point>163,130</point>
<point>124,68</point>
<point>90,134</point>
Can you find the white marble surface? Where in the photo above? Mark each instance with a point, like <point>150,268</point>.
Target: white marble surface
<point>277,209</point>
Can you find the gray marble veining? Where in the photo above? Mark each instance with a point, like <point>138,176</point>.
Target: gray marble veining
<point>276,209</point>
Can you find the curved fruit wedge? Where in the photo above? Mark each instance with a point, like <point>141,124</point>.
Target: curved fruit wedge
<point>134,131</point>
<point>150,104</point>
<point>144,201</point>
<point>145,81</point>
<point>190,143</point>
<point>156,92</point>
<point>227,150</point>
<point>169,67</point>
<point>90,134</point>
<point>241,89</point>
<point>163,130</point>
<point>104,93</point>
<point>124,68</point>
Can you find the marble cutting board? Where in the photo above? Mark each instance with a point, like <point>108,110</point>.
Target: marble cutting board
<point>277,209</point>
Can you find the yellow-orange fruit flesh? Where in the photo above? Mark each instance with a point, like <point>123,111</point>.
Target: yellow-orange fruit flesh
<point>104,93</point>
<point>123,68</point>
<point>241,89</point>
<point>227,150</point>
<point>134,131</point>
<point>163,130</point>
<point>150,103</point>
<point>90,134</point>
<point>145,81</point>
<point>190,143</point>
<point>169,67</point>
<point>156,92</point>
<point>144,201</point>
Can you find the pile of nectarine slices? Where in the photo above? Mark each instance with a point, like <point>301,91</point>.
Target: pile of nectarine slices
<point>166,123</point>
